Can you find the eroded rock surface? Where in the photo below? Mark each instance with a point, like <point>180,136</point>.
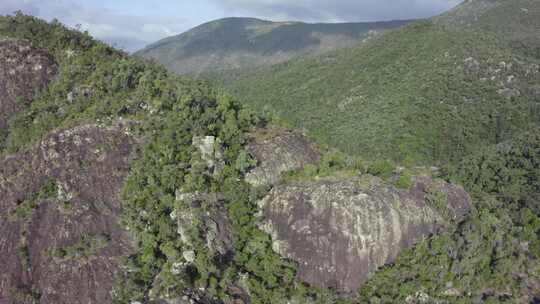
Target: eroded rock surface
<point>340,232</point>
<point>24,70</point>
<point>216,224</point>
<point>59,210</point>
<point>278,151</point>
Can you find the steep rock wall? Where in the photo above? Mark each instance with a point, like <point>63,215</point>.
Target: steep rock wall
<point>24,70</point>
<point>61,240</point>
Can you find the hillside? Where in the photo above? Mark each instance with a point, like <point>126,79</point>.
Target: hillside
<point>493,256</point>
<point>121,182</point>
<point>234,43</point>
<point>520,29</point>
<point>431,92</point>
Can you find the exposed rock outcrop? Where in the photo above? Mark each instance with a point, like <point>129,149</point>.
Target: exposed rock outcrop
<point>24,70</point>
<point>210,149</point>
<point>340,232</point>
<point>216,224</point>
<point>59,209</point>
<point>278,151</point>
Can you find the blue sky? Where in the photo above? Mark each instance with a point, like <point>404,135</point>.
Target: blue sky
<point>132,24</point>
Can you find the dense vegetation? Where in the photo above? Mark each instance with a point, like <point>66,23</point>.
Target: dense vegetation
<point>429,93</point>
<point>100,85</point>
<point>493,256</point>
<point>520,28</point>
<point>366,100</point>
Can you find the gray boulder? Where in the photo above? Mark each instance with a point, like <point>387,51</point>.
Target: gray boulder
<point>278,151</point>
<point>340,232</point>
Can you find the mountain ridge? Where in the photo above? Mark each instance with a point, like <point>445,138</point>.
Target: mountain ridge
<point>124,183</point>
<point>378,99</point>
<point>237,42</point>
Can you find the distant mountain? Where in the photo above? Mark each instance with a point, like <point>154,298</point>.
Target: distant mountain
<point>432,91</point>
<point>234,43</point>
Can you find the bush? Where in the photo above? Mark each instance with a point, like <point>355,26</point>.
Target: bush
<point>496,248</point>
<point>381,168</point>
<point>404,180</point>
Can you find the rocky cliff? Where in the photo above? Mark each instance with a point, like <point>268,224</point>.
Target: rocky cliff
<point>59,199</point>
<point>59,209</point>
<point>24,70</point>
<point>278,151</point>
<point>340,232</point>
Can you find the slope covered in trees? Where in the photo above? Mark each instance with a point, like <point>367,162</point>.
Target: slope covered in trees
<point>192,219</point>
<point>431,92</point>
<point>233,43</point>
<point>189,223</point>
<point>520,29</point>
<point>493,257</point>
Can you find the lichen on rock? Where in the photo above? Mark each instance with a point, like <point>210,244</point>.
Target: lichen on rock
<point>340,232</point>
<point>278,151</point>
<point>211,152</point>
<point>71,239</point>
<point>24,70</point>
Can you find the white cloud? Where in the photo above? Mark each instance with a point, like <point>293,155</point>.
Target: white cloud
<point>337,10</point>
<point>126,31</point>
<point>10,6</point>
<point>132,32</point>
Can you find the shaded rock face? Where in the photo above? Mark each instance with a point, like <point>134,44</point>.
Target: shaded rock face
<point>59,211</point>
<point>278,151</point>
<point>340,232</point>
<point>216,224</point>
<point>211,153</point>
<point>24,70</point>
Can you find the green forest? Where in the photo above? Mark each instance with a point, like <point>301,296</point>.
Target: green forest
<point>429,94</point>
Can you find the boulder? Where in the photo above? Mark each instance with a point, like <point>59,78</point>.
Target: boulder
<point>278,151</point>
<point>216,224</point>
<point>340,232</point>
<point>211,153</point>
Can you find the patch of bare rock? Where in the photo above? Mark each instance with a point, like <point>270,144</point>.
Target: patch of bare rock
<point>59,216</point>
<point>24,70</point>
<point>339,232</point>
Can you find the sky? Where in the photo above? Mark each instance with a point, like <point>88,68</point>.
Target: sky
<point>133,24</point>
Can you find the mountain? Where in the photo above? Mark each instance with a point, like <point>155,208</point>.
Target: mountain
<point>431,92</point>
<point>234,43</point>
<point>123,183</point>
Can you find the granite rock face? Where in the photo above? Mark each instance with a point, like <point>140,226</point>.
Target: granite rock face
<point>59,211</point>
<point>340,232</point>
<point>24,70</point>
<point>278,151</point>
<point>216,225</point>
